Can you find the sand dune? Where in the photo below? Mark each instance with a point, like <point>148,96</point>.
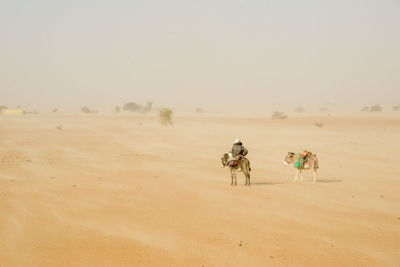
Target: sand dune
<point>125,191</point>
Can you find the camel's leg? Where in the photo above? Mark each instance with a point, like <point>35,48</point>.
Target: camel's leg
<point>235,178</point>
<point>315,176</point>
<point>248,178</point>
<point>231,177</point>
<point>301,175</point>
<point>295,177</point>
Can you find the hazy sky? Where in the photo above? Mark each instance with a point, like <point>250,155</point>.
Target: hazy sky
<point>220,55</point>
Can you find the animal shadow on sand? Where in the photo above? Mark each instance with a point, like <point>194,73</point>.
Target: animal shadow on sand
<point>334,180</point>
<point>267,183</point>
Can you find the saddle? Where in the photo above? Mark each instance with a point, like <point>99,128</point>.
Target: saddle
<point>303,157</point>
<point>234,161</point>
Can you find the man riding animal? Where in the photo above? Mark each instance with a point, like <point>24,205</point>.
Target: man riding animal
<point>237,162</point>
<point>237,150</point>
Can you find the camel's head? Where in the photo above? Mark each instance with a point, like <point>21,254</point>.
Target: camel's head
<point>224,160</point>
<point>289,158</point>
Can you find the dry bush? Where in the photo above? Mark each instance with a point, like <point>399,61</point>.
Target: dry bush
<point>87,110</point>
<point>396,108</point>
<point>165,115</point>
<point>323,109</point>
<point>148,107</point>
<point>375,108</point>
<point>117,109</point>
<point>59,127</point>
<point>365,109</point>
<point>277,115</point>
<point>133,107</point>
<point>299,109</point>
<point>199,110</point>
<point>2,108</point>
<point>55,110</point>
<point>319,124</point>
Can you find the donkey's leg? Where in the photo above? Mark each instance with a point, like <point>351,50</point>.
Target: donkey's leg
<point>295,177</point>
<point>301,175</point>
<point>231,177</point>
<point>315,176</point>
<point>248,172</point>
<point>235,178</point>
<point>248,177</point>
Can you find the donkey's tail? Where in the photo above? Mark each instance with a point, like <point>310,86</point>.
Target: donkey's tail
<point>316,165</point>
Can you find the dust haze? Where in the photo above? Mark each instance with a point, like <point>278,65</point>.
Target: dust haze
<point>118,118</point>
<point>258,56</point>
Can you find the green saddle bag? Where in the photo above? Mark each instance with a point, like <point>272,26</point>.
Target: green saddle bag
<point>297,165</point>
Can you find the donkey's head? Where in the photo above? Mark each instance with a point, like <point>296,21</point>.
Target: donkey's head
<point>289,158</point>
<point>224,160</point>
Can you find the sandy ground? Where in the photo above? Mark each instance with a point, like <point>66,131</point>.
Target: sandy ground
<point>125,191</point>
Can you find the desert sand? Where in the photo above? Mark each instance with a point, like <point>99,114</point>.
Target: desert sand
<point>122,190</point>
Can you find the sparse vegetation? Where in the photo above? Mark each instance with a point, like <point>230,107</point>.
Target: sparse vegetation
<point>149,106</point>
<point>133,107</point>
<point>375,108</point>
<point>396,108</point>
<point>319,124</point>
<point>277,115</point>
<point>55,110</point>
<point>165,115</point>
<point>59,127</point>
<point>199,110</point>
<point>299,109</point>
<point>2,108</point>
<point>117,109</point>
<point>323,109</point>
<point>87,110</point>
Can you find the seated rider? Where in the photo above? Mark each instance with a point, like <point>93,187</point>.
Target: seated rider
<point>237,149</point>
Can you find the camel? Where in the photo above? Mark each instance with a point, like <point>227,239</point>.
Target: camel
<point>243,164</point>
<point>310,163</point>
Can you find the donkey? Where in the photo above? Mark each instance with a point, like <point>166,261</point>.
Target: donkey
<point>243,165</point>
<point>311,163</point>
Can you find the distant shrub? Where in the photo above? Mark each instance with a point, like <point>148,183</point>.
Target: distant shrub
<point>396,108</point>
<point>131,106</point>
<point>199,110</point>
<point>117,109</point>
<point>299,109</point>
<point>319,124</point>
<point>59,127</point>
<point>2,108</point>
<point>55,110</point>
<point>365,109</point>
<point>277,115</point>
<point>149,106</point>
<point>165,115</point>
<point>323,109</point>
<point>87,110</point>
<point>375,108</point>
